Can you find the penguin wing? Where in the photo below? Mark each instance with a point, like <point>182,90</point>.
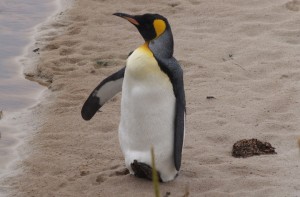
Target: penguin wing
<point>108,88</point>
<point>171,67</point>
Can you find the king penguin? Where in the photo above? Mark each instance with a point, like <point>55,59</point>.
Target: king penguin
<point>153,101</point>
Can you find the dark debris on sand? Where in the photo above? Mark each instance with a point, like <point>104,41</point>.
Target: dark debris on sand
<point>247,148</point>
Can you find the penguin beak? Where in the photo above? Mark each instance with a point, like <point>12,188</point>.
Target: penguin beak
<point>128,17</point>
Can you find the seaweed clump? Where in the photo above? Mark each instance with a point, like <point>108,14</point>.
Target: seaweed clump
<point>250,147</point>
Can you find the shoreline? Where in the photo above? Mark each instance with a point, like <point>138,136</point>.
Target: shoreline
<point>71,157</point>
<point>21,124</point>
<point>29,59</point>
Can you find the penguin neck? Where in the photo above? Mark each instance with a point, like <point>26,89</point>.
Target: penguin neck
<point>162,46</point>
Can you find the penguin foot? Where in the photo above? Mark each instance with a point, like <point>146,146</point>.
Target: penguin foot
<point>143,170</point>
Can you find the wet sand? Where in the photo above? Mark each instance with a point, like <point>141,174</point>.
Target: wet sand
<point>245,54</point>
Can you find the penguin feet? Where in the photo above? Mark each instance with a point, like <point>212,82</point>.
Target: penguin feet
<point>143,170</point>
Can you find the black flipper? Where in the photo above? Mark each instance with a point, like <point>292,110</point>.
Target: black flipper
<point>108,88</point>
<point>171,67</point>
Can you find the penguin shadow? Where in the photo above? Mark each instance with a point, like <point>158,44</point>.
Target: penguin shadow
<point>293,5</point>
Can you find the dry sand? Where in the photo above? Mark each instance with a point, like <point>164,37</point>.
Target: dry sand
<point>244,53</point>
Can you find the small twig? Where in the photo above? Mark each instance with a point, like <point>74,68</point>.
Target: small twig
<point>210,97</point>
<point>299,143</point>
<point>239,66</point>
<point>154,175</point>
<point>231,57</point>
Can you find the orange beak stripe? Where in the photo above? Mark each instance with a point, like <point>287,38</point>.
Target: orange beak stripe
<point>132,20</point>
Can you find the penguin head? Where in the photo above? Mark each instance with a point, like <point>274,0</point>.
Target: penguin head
<point>150,26</point>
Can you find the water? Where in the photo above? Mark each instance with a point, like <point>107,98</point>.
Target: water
<point>17,21</point>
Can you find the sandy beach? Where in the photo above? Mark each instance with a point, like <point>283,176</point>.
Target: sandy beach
<point>246,54</point>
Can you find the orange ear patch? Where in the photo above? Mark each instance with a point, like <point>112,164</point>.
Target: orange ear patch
<point>132,20</point>
<point>159,26</point>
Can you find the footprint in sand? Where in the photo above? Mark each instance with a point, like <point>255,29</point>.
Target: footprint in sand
<point>103,177</point>
<point>51,47</point>
<point>84,172</point>
<point>120,172</point>
<point>100,179</point>
<point>66,51</point>
<point>195,2</point>
<point>56,45</point>
<point>117,171</point>
<point>71,60</point>
<point>74,30</point>
<point>79,18</point>
<point>70,43</point>
<point>58,25</point>
<point>293,5</point>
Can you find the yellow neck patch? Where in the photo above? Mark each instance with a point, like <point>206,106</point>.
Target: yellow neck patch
<point>145,49</point>
<point>159,26</point>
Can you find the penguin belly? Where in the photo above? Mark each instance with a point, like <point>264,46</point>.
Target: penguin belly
<point>147,114</point>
